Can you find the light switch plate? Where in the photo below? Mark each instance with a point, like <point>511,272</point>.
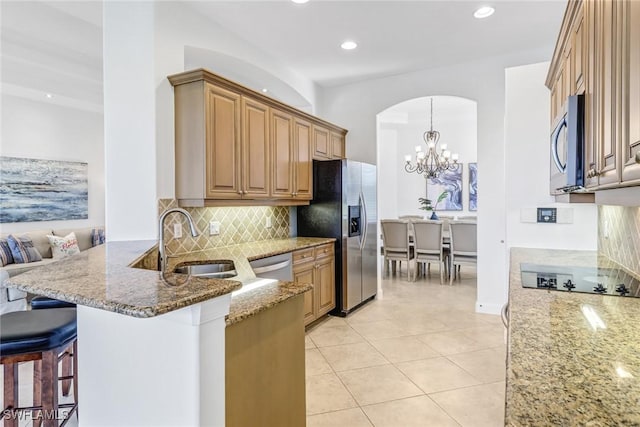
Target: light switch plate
<point>214,228</point>
<point>177,230</point>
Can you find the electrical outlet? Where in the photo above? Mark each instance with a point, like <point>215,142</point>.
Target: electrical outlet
<point>267,222</point>
<point>177,230</point>
<point>606,230</point>
<point>214,228</point>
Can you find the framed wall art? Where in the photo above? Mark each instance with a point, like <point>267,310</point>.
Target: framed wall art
<point>451,182</point>
<point>42,190</point>
<point>473,186</point>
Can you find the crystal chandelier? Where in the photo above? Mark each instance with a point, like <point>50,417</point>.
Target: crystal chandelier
<point>431,163</point>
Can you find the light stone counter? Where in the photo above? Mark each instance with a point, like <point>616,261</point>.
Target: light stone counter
<point>560,371</point>
<point>121,277</point>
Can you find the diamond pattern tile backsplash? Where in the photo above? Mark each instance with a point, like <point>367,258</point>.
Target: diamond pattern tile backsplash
<point>619,235</point>
<point>237,225</point>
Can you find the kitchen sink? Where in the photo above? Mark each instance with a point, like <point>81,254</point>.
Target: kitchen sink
<point>216,269</point>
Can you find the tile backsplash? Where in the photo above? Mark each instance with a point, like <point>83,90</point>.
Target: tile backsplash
<point>237,225</point>
<point>619,235</point>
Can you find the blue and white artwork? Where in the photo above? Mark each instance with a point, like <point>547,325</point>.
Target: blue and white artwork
<point>451,182</point>
<point>473,186</point>
<point>42,190</point>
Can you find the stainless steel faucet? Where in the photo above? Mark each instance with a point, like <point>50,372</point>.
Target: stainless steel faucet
<point>161,249</point>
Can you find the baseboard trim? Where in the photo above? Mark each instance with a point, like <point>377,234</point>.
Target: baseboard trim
<point>487,308</point>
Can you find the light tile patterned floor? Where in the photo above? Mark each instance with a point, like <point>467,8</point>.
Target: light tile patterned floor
<point>419,356</point>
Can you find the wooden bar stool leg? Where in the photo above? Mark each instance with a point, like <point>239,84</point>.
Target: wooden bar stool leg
<point>10,393</point>
<point>66,371</point>
<point>37,392</point>
<point>50,388</point>
<point>75,375</point>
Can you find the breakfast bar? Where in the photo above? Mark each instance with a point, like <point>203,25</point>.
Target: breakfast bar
<point>140,331</point>
<point>572,357</point>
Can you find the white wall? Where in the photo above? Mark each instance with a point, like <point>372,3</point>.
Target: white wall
<point>45,130</point>
<point>457,125</point>
<point>355,107</point>
<point>527,131</point>
<point>129,121</point>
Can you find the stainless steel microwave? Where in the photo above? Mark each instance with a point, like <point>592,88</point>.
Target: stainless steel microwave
<point>567,149</point>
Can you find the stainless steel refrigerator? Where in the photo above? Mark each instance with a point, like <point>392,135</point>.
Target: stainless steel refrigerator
<point>344,206</point>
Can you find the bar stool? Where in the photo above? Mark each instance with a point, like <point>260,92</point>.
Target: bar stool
<point>39,303</point>
<point>39,336</point>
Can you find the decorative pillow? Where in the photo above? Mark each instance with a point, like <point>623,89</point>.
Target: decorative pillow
<point>97,236</point>
<point>62,247</point>
<point>22,249</point>
<point>5,253</point>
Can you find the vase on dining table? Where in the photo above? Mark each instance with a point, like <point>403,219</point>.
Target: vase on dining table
<point>434,216</point>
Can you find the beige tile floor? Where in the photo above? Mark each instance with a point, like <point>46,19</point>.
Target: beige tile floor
<point>418,356</point>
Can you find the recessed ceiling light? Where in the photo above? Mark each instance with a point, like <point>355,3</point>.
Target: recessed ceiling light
<point>265,90</point>
<point>48,95</point>
<point>300,1</point>
<point>484,12</point>
<point>349,45</point>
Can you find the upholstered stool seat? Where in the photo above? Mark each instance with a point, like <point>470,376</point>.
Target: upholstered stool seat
<point>40,336</point>
<point>39,303</point>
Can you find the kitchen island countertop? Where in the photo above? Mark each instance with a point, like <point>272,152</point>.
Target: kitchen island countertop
<point>120,277</point>
<point>560,370</point>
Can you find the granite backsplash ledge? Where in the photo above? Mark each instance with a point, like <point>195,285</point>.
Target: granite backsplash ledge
<point>619,235</point>
<point>237,225</point>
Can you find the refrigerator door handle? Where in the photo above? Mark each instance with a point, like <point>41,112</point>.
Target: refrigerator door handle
<point>363,221</point>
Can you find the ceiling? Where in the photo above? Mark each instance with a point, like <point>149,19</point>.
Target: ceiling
<point>56,46</point>
<point>394,37</point>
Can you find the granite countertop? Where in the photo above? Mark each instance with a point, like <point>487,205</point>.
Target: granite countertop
<point>121,277</point>
<point>247,304</point>
<point>560,371</point>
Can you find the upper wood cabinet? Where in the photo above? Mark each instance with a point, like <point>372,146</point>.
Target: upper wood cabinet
<point>303,166</point>
<point>328,144</point>
<point>630,153</point>
<point>599,46</point>
<point>235,146</point>
<point>255,153</point>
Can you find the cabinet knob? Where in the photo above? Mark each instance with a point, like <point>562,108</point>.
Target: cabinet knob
<point>239,191</point>
<point>592,173</point>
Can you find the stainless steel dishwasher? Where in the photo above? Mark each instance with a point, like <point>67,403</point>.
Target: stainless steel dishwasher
<point>277,267</point>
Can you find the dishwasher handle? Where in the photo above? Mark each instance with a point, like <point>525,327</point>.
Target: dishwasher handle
<point>272,267</point>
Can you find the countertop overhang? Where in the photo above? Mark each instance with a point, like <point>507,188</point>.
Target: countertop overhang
<point>560,369</point>
<point>103,278</point>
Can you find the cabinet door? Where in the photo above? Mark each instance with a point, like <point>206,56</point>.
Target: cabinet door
<point>337,145</point>
<point>222,144</point>
<point>282,150</point>
<point>305,274</point>
<point>591,97</point>
<point>303,169</point>
<point>606,59</point>
<point>577,52</point>
<point>631,144</point>
<point>255,149</point>
<point>325,285</point>
<point>321,143</point>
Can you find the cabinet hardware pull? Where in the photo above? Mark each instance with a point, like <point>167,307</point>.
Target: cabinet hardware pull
<point>638,157</point>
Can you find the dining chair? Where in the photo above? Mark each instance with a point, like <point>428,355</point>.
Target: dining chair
<point>411,217</point>
<point>463,246</point>
<point>395,237</point>
<point>428,245</point>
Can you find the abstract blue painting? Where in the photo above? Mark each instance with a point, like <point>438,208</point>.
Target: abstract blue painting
<point>473,186</point>
<point>42,190</point>
<point>451,182</point>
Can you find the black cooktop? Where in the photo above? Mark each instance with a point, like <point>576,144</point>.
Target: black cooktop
<point>593,280</point>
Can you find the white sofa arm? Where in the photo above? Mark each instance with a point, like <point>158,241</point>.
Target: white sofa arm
<point>11,299</point>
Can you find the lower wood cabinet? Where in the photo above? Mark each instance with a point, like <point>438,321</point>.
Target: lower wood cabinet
<point>317,267</point>
<point>264,371</point>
